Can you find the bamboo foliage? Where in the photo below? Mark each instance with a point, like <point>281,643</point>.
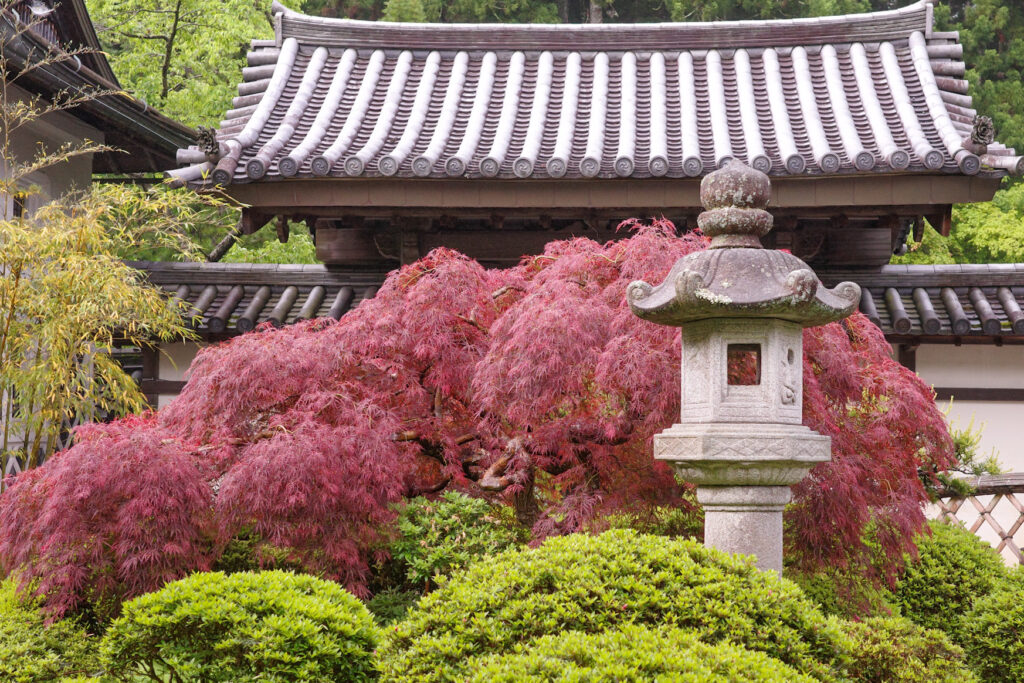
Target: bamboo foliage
<point>66,298</point>
<point>65,301</point>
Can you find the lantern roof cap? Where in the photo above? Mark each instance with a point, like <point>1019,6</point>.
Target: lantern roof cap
<point>737,277</point>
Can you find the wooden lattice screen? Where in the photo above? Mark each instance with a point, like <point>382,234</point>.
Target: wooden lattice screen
<point>996,507</point>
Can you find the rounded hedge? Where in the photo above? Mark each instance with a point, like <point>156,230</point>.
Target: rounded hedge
<point>845,593</point>
<point>437,537</point>
<point>994,632</point>
<point>597,583</point>
<point>896,649</point>
<point>266,626</point>
<point>632,653</point>
<point>953,569</point>
<point>31,651</point>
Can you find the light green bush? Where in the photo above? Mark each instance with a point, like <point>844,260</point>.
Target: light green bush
<point>32,652</point>
<point>597,583</point>
<point>436,537</point>
<point>994,632</point>
<point>266,626</point>
<point>886,649</point>
<point>845,594</point>
<point>674,522</point>
<point>391,604</point>
<point>632,653</point>
<point>953,569</point>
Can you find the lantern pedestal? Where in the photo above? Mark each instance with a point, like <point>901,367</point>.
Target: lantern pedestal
<point>745,519</point>
<point>743,472</point>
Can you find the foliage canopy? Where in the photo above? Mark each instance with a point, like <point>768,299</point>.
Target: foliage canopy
<point>535,385</point>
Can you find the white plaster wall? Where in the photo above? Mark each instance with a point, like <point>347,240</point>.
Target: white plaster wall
<point>50,132</point>
<point>975,365</point>
<point>981,366</point>
<point>176,358</point>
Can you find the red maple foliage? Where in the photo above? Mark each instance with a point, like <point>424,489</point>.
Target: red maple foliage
<point>535,384</point>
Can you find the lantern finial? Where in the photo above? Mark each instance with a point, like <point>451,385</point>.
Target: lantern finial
<point>735,197</point>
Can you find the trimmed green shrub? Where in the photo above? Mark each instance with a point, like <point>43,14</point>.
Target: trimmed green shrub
<point>266,626</point>
<point>994,632</point>
<point>845,594</point>
<point>31,651</point>
<point>954,568</point>
<point>436,537</point>
<point>674,522</point>
<point>886,649</point>
<point>632,653</point>
<point>391,604</point>
<point>596,583</point>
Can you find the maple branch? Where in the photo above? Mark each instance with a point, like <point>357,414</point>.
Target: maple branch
<point>501,291</point>
<point>474,323</point>
<point>414,491</point>
<point>494,477</point>
<point>415,436</point>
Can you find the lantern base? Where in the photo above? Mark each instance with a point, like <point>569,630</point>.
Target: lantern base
<point>742,454</point>
<point>745,519</point>
<point>743,472</point>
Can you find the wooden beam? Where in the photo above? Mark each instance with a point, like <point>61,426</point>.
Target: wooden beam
<point>906,354</point>
<point>670,195</point>
<point>979,394</point>
<point>155,387</point>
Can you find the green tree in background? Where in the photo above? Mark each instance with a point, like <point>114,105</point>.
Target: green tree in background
<point>264,247</point>
<point>992,32</point>
<point>992,232</point>
<point>66,300</point>
<point>182,56</point>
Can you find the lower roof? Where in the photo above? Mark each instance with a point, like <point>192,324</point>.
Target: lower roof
<point>929,304</point>
<point>943,303</point>
<point>231,298</point>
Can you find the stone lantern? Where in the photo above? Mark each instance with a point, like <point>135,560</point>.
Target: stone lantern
<point>742,309</point>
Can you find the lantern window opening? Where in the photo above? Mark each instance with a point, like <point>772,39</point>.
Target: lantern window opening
<point>743,364</point>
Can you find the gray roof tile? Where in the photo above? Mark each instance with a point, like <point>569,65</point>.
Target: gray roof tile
<point>344,98</point>
<point>231,298</point>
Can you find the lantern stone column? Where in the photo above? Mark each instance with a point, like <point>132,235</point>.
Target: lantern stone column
<point>742,310</point>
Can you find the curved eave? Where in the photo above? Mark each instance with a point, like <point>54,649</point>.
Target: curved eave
<point>150,139</point>
<point>349,99</point>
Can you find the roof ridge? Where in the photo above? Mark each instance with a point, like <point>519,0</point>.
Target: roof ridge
<point>331,32</point>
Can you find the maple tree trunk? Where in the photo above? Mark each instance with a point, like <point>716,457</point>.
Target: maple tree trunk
<point>525,505</point>
<point>595,15</point>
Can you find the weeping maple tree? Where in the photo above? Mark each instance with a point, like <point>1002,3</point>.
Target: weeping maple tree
<point>534,385</point>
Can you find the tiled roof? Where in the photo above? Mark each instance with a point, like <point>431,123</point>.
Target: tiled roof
<point>969,300</point>
<point>229,298</point>
<point>984,300</point>
<point>877,92</point>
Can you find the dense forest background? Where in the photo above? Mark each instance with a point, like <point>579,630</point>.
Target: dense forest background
<point>185,58</point>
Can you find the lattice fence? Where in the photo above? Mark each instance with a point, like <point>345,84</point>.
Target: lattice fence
<point>995,512</point>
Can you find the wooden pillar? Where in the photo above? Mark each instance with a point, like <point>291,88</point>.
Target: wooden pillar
<point>906,355</point>
<point>150,373</point>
